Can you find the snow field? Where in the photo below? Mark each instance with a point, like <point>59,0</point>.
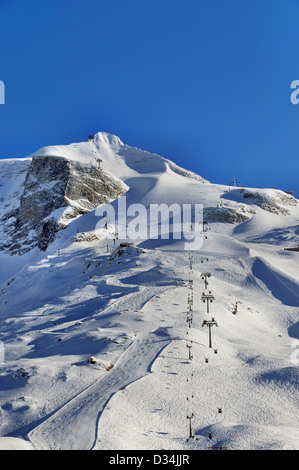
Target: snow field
<point>141,403</point>
<point>95,342</point>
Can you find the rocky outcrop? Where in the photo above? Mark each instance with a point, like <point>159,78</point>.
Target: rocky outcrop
<point>274,204</point>
<point>225,215</point>
<point>56,191</point>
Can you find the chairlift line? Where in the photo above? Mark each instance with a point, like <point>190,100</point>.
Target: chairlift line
<point>207,298</point>
<point>209,324</point>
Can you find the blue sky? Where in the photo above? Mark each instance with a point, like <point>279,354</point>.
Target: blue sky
<point>205,83</point>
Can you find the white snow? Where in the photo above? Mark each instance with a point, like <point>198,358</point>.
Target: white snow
<point>95,341</point>
<point>12,443</point>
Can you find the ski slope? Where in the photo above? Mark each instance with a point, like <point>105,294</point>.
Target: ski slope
<point>96,353</point>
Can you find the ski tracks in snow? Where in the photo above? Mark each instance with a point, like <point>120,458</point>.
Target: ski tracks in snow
<point>75,425</point>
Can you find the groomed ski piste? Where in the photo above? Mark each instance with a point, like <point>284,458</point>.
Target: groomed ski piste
<point>100,351</point>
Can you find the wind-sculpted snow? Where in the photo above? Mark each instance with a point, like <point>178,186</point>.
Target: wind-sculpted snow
<point>280,285</point>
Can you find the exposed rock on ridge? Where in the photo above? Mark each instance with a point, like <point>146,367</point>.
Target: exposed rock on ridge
<point>56,191</point>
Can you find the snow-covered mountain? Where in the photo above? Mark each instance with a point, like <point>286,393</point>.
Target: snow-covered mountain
<point>95,333</point>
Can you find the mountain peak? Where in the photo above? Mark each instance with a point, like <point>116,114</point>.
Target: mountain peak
<point>110,139</point>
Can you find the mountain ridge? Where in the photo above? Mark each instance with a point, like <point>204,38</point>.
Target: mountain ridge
<point>95,330</point>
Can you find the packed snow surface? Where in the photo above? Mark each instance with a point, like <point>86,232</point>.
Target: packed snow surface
<point>95,335</point>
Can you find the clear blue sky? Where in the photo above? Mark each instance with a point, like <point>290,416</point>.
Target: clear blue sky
<point>205,83</point>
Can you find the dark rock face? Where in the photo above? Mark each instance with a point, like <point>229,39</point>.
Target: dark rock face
<point>224,215</point>
<point>47,234</point>
<point>54,184</point>
<point>44,189</point>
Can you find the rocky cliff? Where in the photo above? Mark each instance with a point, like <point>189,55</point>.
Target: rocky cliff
<point>56,190</point>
